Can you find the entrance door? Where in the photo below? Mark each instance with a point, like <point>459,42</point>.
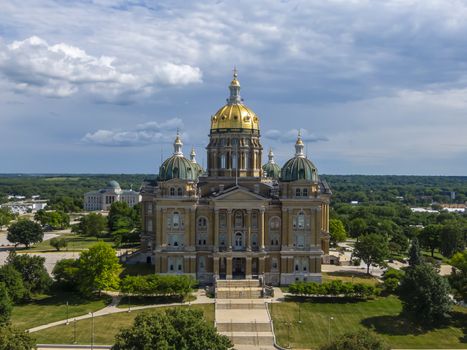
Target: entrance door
<point>238,268</point>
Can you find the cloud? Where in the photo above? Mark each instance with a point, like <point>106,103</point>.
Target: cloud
<point>291,136</point>
<point>141,135</point>
<point>61,70</point>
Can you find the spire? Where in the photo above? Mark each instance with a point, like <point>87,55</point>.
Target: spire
<point>271,157</point>
<point>178,144</point>
<point>193,155</point>
<point>234,88</point>
<point>299,146</point>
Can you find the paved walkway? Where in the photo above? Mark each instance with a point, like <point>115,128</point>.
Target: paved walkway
<point>112,308</point>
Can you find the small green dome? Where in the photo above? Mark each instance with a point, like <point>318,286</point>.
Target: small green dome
<point>299,168</point>
<point>272,170</point>
<point>113,185</point>
<point>178,167</point>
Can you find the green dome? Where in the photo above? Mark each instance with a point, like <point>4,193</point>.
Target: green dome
<point>113,185</point>
<point>299,168</point>
<point>177,167</point>
<point>198,168</point>
<point>272,170</point>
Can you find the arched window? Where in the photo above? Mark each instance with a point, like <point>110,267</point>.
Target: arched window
<point>274,223</point>
<point>238,240</point>
<point>238,219</point>
<point>297,192</point>
<point>172,191</point>
<point>175,220</point>
<point>301,221</point>
<point>179,191</point>
<point>202,223</point>
<point>223,161</point>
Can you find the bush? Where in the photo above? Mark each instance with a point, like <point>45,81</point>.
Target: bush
<point>58,243</point>
<point>335,288</point>
<point>391,284</point>
<point>158,285</point>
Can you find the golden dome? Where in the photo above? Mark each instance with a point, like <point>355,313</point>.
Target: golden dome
<point>235,115</point>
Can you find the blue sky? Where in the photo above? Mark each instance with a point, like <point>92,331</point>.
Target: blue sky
<point>377,87</point>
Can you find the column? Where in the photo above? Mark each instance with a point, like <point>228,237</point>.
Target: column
<point>192,236</point>
<point>261,267</point>
<point>215,266</point>
<point>261,229</point>
<point>290,231</point>
<point>193,264</point>
<point>248,268</point>
<point>229,229</point>
<point>215,230</point>
<point>164,228</point>
<point>158,224</point>
<point>186,228</point>
<point>248,230</point>
<point>285,226</point>
<point>229,268</point>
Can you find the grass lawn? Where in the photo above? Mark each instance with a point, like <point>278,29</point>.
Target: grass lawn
<point>50,308</point>
<point>346,276</point>
<point>380,314</point>
<point>127,302</point>
<point>75,243</point>
<point>105,327</point>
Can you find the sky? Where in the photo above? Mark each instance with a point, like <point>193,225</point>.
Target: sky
<point>376,87</point>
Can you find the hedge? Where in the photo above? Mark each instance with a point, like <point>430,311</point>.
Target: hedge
<point>334,288</point>
<point>157,285</point>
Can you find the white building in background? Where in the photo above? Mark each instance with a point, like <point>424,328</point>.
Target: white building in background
<point>103,198</point>
<point>26,206</point>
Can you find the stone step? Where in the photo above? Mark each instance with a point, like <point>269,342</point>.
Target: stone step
<point>243,327</point>
<point>242,306</point>
<point>250,293</point>
<point>250,338</point>
<point>238,283</point>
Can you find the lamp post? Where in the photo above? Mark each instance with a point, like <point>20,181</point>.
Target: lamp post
<point>67,318</point>
<point>92,330</point>
<point>299,313</point>
<point>74,332</point>
<point>329,328</point>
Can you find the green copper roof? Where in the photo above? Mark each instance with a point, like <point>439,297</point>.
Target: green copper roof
<point>272,170</point>
<point>299,168</point>
<point>113,184</point>
<point>178,167</point>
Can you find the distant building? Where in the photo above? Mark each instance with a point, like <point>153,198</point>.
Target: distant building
<point>103,198</point>
<point>26,206</point>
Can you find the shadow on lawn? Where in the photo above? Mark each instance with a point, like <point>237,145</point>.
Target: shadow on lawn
<point>323,300</point>
<point>62,298</point>
<point>401,325</point>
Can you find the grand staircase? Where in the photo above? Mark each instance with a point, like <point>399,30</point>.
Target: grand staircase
<point>241,314</point>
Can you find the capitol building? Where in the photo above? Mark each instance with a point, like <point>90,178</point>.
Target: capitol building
<point>239,218</point>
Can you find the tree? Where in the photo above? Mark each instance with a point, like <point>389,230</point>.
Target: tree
<point>182,329</point>
<point>13,282</point>
<point>458,277</point>
<point>5,304</point>
<point>66,273</point>
<point>430,237</point>
<point>337,231</point>
<point>5,216</point>
<point>424,294</point>
<point>25,232</point>
<point>58,243</point>
<point>12,338</point>
<point>414,253</point>
<point>91,225</point>
<point>31,267</point>
<point>452,239</point>
<point>372,248</point>
<point>55,219</point>
<point>98,269</point>
<point>361,340</point>
<point>358,227</point>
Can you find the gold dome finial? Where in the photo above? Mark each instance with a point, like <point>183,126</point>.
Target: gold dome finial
<point>299,145</point>
<point>178,144</point>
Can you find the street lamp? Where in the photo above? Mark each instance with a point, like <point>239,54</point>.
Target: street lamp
<point>329,328</point>
<point>74,332</point>
<point>67,320</point>
<point>299,313</point>
<point>92,330</point>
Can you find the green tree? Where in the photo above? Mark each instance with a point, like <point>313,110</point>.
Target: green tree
<point>33,272</point>
<point>12,338</point>
<point>414,253</point>
<point>98,269</point>
<point>13,282</point>
<point>91,225</point>
<point>55,219</point>
<point>452,238</point>
<point>337,231</point>
<point>181,329</point>
<point>361,340</point>
<point>424,294</point>
<point>430,237</point>
<point>66,273</point>
<point>358,226</point>
<point>25,232</point>
<point>58,243</point>
<point>5,304</point>
<point>458,277</point>
<point>372,248</point>
<point>5,216</point>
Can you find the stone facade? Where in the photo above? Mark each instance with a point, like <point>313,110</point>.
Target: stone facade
<point>233,222</point>
<point>103,198</point>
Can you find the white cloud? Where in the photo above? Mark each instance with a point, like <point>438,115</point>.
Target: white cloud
<point>142,134</point>
<point>62,70</point>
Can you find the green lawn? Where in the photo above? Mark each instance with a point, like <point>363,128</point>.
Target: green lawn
<point>105,327</point>
<point>50,308</point>
<point>75,243</point>
<point>357,277</point>
<point>380,314</point>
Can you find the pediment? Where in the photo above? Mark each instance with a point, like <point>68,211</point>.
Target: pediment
<point>239,194</point>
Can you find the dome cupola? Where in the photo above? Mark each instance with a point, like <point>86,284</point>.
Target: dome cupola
<point>299,167</point>
<point>271,169</point>
<point>177,166</point>
<point>197,166</point>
